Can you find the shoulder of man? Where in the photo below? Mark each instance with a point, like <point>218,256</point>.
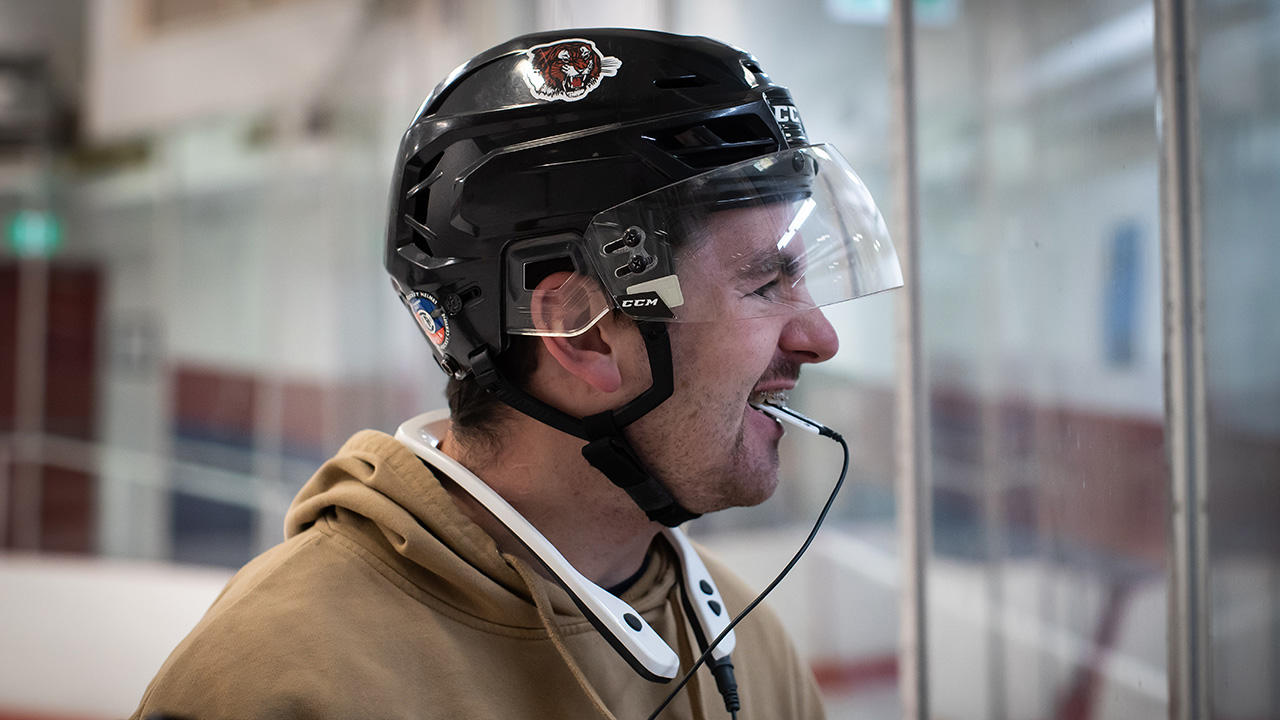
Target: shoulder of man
<point>276,639</point>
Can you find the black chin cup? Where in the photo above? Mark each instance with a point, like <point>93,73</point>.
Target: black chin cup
<point>606,449</point>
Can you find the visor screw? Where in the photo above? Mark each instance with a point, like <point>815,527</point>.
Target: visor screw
<point>798,162</point>
<point>452,304</point>
<point>632,236</point>
<point>639,263</point>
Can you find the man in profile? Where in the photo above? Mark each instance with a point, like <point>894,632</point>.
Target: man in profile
<point>617,243</point>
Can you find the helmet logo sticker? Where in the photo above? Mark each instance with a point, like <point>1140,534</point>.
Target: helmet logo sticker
<point>430,316</point>
<point>786,113</point>
<point>788,119</point>
<point>567,69</point>
<point>645,305</point>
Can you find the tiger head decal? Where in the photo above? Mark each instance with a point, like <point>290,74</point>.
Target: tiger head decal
<point>567,69</point>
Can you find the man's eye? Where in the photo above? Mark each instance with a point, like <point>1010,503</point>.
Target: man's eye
<point>768,291</point>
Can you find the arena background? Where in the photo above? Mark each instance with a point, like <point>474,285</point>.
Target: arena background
<point>1081,398</point>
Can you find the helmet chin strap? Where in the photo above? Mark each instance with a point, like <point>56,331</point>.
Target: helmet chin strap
<point>606,449</point>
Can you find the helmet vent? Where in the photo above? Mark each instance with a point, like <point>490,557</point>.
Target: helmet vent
<point>423,231</point>
<point>469,295</point>
<point>759,75</point>
<point>681,81</point>
<point>423,185</point>
<point>423,177</point>
<point>416,199</point>
<point>717,142</point>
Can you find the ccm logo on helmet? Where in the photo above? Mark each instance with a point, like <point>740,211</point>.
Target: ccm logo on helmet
<point>786,113</point>
<point>645,305</point>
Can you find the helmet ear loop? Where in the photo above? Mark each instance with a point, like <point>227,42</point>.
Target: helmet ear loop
<point>610,453</point>
<point>606,449</point>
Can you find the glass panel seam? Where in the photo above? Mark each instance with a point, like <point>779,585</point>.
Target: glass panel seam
<point>912,426</point>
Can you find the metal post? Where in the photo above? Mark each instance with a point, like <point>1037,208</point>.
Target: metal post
<point>1184,325</point>
<point>912,482</point>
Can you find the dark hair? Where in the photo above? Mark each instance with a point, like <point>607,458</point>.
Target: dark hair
<point>478,415</point>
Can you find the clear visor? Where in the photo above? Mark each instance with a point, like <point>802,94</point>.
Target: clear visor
<point>775,235</point>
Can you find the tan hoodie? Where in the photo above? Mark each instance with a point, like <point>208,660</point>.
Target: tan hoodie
<point>385,601</point>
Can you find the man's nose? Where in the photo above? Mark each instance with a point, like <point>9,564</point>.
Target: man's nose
<point>809,337</point>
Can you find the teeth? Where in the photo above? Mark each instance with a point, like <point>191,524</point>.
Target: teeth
<point>769,397</point>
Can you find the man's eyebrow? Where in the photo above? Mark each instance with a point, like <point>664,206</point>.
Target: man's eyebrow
<point>767,261</point>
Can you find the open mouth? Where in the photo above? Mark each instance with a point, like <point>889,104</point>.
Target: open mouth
<point>777,398</point>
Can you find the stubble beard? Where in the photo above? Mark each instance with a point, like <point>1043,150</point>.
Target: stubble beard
<point>739,475</point>
<point>707,474</point>
<point>753,483</point>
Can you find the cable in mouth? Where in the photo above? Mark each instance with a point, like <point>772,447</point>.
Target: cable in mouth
<point>780,412</point>
<point>776,398</point>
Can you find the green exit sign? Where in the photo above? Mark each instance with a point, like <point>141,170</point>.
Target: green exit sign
<point>32,233</point>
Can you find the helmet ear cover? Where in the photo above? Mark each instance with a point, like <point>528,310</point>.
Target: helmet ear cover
<point>567,310</point>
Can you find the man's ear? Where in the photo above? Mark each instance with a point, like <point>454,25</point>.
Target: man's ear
<point>592,355</point>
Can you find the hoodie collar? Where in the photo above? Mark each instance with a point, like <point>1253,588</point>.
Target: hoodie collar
<point>374,482</point>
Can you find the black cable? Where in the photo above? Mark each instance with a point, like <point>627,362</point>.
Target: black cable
<point>844,470</point>
<point>726,683</point>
